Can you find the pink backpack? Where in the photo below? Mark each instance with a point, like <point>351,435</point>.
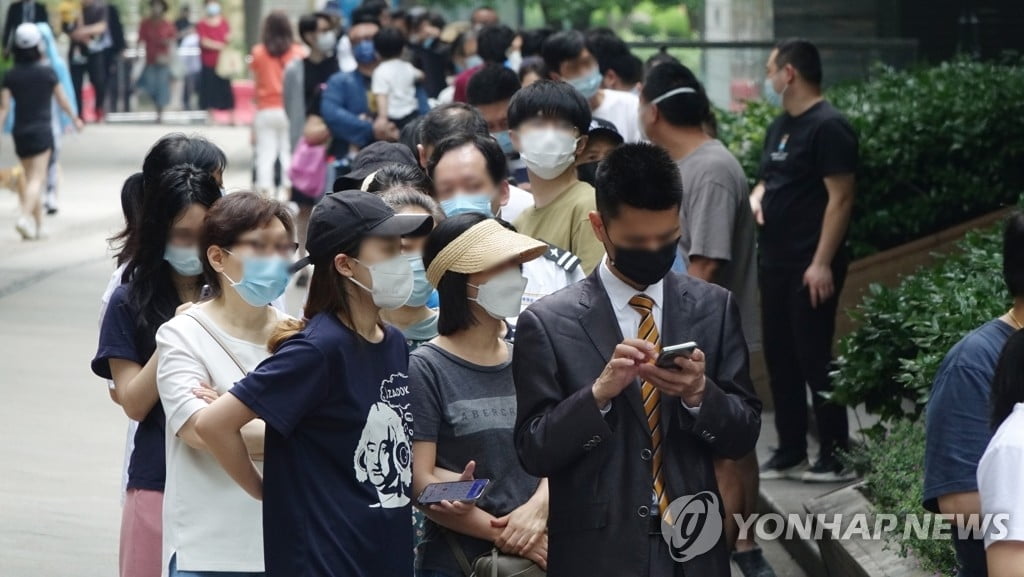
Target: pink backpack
<point>308,172</point>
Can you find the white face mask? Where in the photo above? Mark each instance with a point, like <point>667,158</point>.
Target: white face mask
<point>502,296</point>
<point>327,42</point>
<point>548,152</point>
<point>392,282</point>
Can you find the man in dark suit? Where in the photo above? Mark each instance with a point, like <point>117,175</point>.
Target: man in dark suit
<point>18,13</point>
<point>627,446</point>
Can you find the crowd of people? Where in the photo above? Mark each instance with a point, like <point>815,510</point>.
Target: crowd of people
<point>489,226</point>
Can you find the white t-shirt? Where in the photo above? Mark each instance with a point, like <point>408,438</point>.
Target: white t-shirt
<point>346,62</point>
<point>621,109</point>
<point>209,522</point>
<point>397,79</point>
<point>999,476</point>
<point>518,201</point>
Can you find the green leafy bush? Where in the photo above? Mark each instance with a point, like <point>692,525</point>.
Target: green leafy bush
<point>938,146</point>
<point>889,361</point>
<point>892,466</point>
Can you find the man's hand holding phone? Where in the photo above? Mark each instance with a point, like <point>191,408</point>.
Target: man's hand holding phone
<point>622,369</point>
<point>685,379</point>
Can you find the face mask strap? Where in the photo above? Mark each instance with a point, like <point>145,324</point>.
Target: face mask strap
<point>671,93</point>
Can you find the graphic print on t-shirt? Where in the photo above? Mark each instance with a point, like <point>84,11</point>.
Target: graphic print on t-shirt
<point>384,453</point>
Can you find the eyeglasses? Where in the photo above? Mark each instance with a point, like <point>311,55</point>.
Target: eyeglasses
<point>261,247</point>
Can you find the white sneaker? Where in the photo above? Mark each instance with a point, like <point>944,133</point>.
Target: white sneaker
<point>43,233</point>
<point>25,228</point>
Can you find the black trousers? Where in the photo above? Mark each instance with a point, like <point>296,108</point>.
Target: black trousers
<point>798,352</point>
<point>96,67</point>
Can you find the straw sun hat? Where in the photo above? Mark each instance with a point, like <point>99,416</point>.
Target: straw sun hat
<point>485,245</point>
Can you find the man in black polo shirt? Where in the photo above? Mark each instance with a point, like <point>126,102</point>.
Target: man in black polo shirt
<point>803,205</point>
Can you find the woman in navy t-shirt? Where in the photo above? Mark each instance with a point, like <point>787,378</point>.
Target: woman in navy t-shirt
<point>165,271</point>
<point>335,397</point>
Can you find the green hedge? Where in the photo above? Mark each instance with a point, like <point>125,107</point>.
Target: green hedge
<point>903,333</point>
<point>939,146</point>
<point>892,466</point>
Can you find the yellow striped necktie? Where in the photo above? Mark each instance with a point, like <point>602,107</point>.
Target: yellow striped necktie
<point>648,331</point>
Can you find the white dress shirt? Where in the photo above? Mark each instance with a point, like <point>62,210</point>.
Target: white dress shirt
<point>619,293</point>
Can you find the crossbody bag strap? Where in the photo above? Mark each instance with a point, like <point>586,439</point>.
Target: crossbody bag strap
<point>218,340</point>
<point>460,555</point>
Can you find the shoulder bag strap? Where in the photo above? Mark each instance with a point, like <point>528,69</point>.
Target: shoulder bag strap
<point>460,555</point>
<point>218,340</point>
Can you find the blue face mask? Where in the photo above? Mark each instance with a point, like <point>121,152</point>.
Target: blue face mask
<point>588,84</point>
<point>264,279</point>
<point>769,94</point>
<point>364,52</point>
<point>424,330</point>
<point>505,140</point>
<point>421,287</point>
<point>184,259</point>
<point>479,203</point>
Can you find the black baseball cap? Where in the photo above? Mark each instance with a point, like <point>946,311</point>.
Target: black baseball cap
<point>342,219</point>
<point>601,127</point>
<point>370,160</point>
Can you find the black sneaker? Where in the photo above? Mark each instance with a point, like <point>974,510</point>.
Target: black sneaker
<point>828,470</point>
<point>784,466</point>
<point>752,563</point>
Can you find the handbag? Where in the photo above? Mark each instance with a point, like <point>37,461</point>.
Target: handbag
<point>493,564</point>
<point>308,170</point>
<point>230,63</point>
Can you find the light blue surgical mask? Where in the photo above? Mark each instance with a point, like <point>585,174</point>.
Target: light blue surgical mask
<point>364,52</point>
<point>184,259</point>
<point>474,61</point>
<point>479,203</point>
<point>504,139</point>
<point>588,84</point>
<point>424,330</point>
<point>769,94</point>
<point>264,279</point>
<point>421,287</point>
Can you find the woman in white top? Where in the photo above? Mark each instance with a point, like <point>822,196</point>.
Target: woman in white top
<point>210,523</point>
<point>1002,467</point>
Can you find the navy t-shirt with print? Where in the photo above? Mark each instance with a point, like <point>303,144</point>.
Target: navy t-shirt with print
<point>338,459</point>
<point>119,339</point>
<point>957,426</point>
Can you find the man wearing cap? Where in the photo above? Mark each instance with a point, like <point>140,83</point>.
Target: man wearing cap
<point>628,446</point>
<point>602,139</point>
<point>371,159</point>
<point>335,397</point>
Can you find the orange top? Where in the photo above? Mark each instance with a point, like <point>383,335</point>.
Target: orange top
<point>268,75</point>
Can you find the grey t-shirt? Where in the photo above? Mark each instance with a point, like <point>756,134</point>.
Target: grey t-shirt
<point>717,223</point>
<point>470,412</point>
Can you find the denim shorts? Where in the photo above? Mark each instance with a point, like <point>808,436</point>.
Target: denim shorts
<point>173,572</point>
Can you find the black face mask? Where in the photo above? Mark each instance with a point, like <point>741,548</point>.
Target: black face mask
<point>645,267</point>
<point>588,172</point>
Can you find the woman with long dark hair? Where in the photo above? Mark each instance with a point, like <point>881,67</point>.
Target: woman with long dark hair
<point>270,126</point>
<point>211,526</point>
<point>32,85</point>
<point>335,398</point>
<point>163,273</point>
<point>476,265</point>
<point>1002,466</point>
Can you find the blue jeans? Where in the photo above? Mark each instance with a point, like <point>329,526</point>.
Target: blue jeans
<point>173,572</point>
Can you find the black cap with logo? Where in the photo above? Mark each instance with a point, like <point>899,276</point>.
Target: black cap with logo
<point>343,219</point>
<point>370,160</point>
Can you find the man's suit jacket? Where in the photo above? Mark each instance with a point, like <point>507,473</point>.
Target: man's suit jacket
<point>598,466</point>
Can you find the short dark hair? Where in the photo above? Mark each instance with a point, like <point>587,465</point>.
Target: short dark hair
<point>684,109</point>
<point>410,134</point>
<point>454,312</point>
<point>449,119</point>
<point>606,46</point>
<point>389,42</point>
<point>493,83</point>
<point>493,42</point>
<point>1013,255</point>
<point>534,64</point>
<point>27,55</point>
<point>310,23</point>
<point>802,55</point>
<point>231,217</point>
<point>561,47</point>
<point>533,40</point>
<point>628,67</point>
<point>660,57</point>
<point>396,174</point>
<point>494,157</point>
<point>639,175</point>
<point>365,15</point>
<point>550,99</point>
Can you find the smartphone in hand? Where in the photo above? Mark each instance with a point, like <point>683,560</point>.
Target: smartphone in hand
<point>668,356</point>
<point>463,491</point>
